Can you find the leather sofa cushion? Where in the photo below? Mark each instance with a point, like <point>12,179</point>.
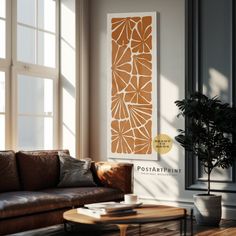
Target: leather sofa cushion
<point>85,195</point>
<point>15,204</point>
<point>9,179</point>
<point>22,203</point>
<point>38,169</point>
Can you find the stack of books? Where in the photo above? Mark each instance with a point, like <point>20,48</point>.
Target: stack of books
<point>104,209</point>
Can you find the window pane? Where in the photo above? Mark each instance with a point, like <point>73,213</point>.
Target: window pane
<point>2,91</point>
<point>3,8</point>
<point>35,132</point>
<point>35,95</point>
<point>2,132</point>
<point>2,39</point>
<point>26,50</point>
<point>26,12</point>
<point>47,15</point>
<point>46,49</point>
<point>48,96</point>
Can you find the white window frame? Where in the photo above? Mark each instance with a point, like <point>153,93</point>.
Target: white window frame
<point>5,66</point>
<point>12,68</point>
<point>39,71</point>
<point>7,106</point>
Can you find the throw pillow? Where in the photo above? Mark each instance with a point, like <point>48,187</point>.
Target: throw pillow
<point>74,172</point>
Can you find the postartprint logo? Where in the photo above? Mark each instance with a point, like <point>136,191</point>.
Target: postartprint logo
<point>152,170</point>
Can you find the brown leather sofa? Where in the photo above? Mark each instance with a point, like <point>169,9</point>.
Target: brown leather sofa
<point>30,198</point>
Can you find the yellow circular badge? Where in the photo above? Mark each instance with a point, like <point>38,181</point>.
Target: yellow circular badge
<point>162,143</point>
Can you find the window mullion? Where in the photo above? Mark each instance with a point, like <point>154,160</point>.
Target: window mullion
<point>35,115</point>
<point>35,28</point>
<point>6,66</point>
<point>38,70</point>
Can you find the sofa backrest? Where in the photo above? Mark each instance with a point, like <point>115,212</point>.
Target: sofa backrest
<point>38,169</point>
<point>9,178</point>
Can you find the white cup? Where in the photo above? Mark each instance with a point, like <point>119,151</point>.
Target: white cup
<point>131,198</point>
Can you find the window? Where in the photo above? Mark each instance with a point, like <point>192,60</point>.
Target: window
<point>3,68</point>
<point>3,29</point>
<point>36,32</point>
<point>2,110</point>
<point>34,93</point>
<point>36,45</point>
<point>29,74</point>
<point>35,112</point>
<point>35,74</point>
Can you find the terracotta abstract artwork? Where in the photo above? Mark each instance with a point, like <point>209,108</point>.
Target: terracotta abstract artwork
<point>132,85</point>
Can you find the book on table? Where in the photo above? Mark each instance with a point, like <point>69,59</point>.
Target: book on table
<point>110,206</point>
<point>102,209</point>
<point>99,213</point>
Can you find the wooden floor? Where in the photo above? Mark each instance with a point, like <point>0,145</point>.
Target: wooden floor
<point>226,228</point>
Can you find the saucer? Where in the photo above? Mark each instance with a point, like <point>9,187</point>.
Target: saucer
<point>136,204</point>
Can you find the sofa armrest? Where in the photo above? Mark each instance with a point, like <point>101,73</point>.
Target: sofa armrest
<point>115,175</point>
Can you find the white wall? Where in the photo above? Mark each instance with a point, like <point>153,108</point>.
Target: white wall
<point>68,75</point>
<point>157,185</point>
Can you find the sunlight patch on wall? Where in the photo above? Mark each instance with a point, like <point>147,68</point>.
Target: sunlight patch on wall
<point>68,74</point>
<point>68,122</point>
<point>68,62</point>
<point>169,93</point>
<point>68,23</point>
<point>218,84</point>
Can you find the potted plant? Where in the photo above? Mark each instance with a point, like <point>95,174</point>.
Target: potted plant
<point>209,137</point>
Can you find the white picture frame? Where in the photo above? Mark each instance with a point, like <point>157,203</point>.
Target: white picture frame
<point>126,43</point>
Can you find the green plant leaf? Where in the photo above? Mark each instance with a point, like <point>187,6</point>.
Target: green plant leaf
<point>210,132</point>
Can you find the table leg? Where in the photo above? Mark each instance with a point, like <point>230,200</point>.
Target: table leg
<point>191,222</point>
<point>123,229</point>
<point>139,229</point>
<point>185,225</point>
<point>65,226</point>
<point>181,227</point>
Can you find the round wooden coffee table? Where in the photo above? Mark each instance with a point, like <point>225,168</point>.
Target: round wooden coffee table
<point>145,214</point>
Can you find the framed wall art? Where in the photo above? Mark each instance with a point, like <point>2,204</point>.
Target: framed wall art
<point>132,85</point>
